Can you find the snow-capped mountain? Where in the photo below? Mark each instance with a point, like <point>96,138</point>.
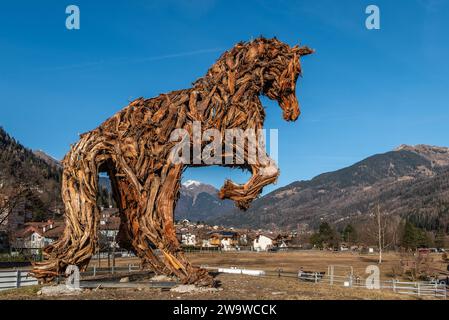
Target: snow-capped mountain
<point>191,184</point>
<point>199,202</point>
<point>193,188</point>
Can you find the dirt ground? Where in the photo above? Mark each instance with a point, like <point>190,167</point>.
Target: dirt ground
<point>242,287</point>
<point>292,261</point>
<point>233,287</point>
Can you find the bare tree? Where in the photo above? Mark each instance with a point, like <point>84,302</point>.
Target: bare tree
<point>380,233</point>
<point>382,230</point>
<point>11,200</point>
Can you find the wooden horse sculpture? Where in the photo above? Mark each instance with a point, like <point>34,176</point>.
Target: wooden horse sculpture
<point>134,147</point>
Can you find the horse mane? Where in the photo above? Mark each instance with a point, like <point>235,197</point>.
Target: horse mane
<point>241,57</point>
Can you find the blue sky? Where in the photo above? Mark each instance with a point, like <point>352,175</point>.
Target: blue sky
<point>363,92</point>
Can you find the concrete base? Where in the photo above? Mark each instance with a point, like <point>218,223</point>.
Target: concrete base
<point>190,288</point>
<point>60,289</point>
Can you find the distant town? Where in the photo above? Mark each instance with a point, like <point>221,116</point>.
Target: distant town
<point>31,237</point>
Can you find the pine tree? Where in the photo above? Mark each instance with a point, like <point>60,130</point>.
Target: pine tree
<point>349,234</point>
<point>326,236</point>
<point>440,239</point>
<point>410,236</point>
<point>414,237</point>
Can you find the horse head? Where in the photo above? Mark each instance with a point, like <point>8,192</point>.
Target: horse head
<point>282,67</point>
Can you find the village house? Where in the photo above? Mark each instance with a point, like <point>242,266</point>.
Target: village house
<point>188,239</point>
<point>202,235</point>
<point>190,234</point>
<point>265,241</point>
<point>185,223</point>
<point>36,235</point>
<point>205,243</point>
<point>109,227</point>
<point>226,240</point>
<point>243,239</point>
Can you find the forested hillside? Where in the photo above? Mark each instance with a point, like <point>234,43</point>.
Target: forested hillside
<point>21,169</point>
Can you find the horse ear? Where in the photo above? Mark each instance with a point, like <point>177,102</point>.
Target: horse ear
<point>261,48</point>
<point>255,50</point>
<point>252,52</point>
<point>303,51</point>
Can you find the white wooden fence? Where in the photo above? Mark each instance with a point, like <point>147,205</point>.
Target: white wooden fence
<point>11,279</point>
<point>422,288</point>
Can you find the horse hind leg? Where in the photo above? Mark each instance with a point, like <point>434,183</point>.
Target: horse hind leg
<point>142,247</point>
<point>162,222</point>
<point>79,240</point>
<point>176,261</point>
<point>132,234</point>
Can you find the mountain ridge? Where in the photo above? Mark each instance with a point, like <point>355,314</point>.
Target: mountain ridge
<point>400,179</point>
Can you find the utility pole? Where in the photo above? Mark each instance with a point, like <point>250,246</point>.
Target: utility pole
<point>54,204</point>
<point>379,225</point>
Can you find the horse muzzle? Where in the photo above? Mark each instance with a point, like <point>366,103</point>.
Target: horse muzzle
<point>290,107</point>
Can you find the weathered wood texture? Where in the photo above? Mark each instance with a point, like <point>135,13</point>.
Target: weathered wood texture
<point>133,147</point>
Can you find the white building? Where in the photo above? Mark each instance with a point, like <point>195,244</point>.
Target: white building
<point>37,235</point>
<point>188,239</point>
<point>243,240</point>
<point>263,242</point>
<point>205,243</point>
<point>109,229</point>
<point>227,244</point>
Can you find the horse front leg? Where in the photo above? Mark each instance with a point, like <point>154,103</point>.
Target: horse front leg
<point>263,174</point>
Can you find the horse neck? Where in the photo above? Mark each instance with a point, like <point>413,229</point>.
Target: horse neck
<point>248,98</point>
